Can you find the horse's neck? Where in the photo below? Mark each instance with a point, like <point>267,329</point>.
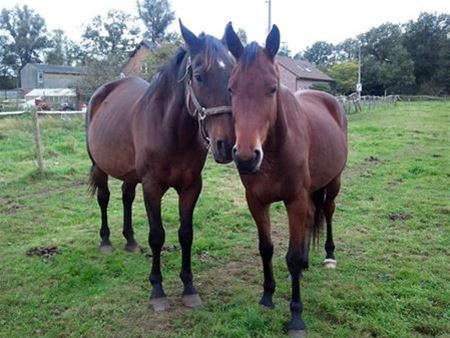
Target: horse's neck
<point>290,122</point>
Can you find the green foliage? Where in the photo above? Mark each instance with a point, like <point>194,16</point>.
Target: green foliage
<point>63,51</point>
<point>397,72</point>
<point>427,41</point>
<point>24,38</point>
<point>346,75</point>
<point>159,57</point>
<point>284,49</point>
<point>156,16</point>
<point>322,86</point>
<point>97,73</point>
<point>114,35</point>
<point>242,35</point>
<point>319,53</point>
<point>390,230</point>
<point>398,59</point>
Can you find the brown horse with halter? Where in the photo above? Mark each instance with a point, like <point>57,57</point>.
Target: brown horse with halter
<point>291,148</point>
<point>155,134</point>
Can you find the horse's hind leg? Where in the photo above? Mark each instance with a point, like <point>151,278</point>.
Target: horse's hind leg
<point>128,195</point>
<point>329,206</point>
<point>187,200</point>
<point>100,180</point>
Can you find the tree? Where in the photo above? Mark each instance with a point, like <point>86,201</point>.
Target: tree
<point>427,41</point>
<point>284,49</point>
<point>319,53</point>
<point>24,37</point>
<point>63,51</point>
<point>97,73</point>
<point>380,40</point>
<point>116,34</point>
<point>157,16</point>
<point>346,50</point>
<point>346,75</point>
<point>397,71</point>
<point>159,57</point>
<point>386,65</point>
<point>242,36</point>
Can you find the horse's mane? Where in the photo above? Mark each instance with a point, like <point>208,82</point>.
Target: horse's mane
<point>249,53</point>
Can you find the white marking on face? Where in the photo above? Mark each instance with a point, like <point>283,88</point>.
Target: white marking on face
<point>221,63</point>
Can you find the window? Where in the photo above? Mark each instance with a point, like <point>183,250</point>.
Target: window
<point>40,77</point>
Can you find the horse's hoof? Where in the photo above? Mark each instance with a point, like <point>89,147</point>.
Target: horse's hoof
<point>297,333</point>
<point>106,249</point>
<point>330,263</point>
<point>267,303</point>
<point>132,247</point>
<point>159,304</point>
<point>192,301</point>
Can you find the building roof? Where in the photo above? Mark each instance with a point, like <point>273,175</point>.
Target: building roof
<point>145,43</point>
<point>303,69</point>
<point>58,69</point>
<point>43,92</point>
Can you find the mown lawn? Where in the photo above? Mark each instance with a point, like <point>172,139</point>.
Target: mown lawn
<point>391,233</point>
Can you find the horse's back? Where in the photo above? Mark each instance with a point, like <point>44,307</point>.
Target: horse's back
<point>109,126</point>
<point>328,135</point>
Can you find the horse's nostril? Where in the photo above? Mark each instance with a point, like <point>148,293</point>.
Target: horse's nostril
<point>257,154</point>
<point>220,144</point>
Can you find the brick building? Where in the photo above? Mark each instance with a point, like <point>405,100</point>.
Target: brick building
<point>136,63</point>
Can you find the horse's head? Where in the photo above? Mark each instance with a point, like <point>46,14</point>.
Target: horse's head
<point>254,84</point>
<point>208,71</point>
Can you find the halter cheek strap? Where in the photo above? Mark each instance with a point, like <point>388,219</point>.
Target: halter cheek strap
<point>200,112</point>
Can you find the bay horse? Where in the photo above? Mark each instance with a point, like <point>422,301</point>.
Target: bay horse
<point>291,148</point>
<point>155,134</point>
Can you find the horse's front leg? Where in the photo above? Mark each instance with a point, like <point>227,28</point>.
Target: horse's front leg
<point>300,222</point>
<point>152,199</point>
<point>260,213</point>
<point>128,195</point>
<point>187,199</point>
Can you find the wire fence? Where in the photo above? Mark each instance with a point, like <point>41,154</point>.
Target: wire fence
<point>353,104</point>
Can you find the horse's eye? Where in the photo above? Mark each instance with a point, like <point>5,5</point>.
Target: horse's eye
<point>273,90</point>
<point>198,77</point>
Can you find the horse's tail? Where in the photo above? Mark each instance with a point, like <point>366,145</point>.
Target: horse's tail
<point>318,198</point>
<point>92,183</point>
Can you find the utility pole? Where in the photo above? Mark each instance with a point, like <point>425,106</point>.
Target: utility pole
<point>269,24</point>
<point>359,85</point>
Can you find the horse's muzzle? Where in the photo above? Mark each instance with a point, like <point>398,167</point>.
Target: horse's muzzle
<point>247,165</point>
<point>221,150</point>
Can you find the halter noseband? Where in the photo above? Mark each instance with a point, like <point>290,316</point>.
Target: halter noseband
<point>200,112</point>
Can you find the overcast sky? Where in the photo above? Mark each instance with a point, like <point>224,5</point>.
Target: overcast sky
<point>301,22</point>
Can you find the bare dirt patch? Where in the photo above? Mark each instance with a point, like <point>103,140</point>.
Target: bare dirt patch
<point>399,217</point>
<point>45,252</point>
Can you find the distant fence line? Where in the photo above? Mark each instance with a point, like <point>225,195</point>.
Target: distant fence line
<point>44,112</point>
<point>351,103</point>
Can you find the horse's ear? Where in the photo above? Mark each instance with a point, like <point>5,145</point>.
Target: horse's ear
<point>191,40</point>
<point>233,42</point>
<point>273,42</point>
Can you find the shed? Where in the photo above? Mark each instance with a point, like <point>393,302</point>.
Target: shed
<point>56,98</point>
<point>300,74</point>
<point>39,75</point>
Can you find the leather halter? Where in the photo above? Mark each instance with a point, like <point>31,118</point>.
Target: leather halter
<point>200,112</point>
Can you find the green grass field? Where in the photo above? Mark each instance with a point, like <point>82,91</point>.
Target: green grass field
<point>391,233</point>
